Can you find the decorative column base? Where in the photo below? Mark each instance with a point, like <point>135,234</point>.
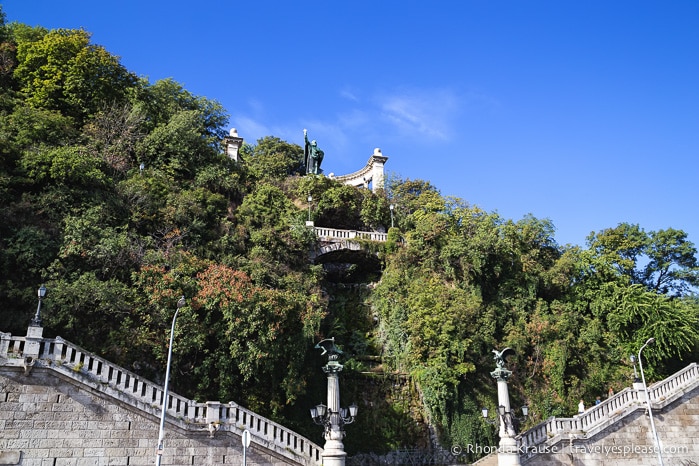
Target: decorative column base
<point>334,453</point>
<point>507,453</point>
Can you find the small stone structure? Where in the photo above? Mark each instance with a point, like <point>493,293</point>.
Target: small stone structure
<point>63,406</point>
<point>372,173</point>
<point>233,143</point>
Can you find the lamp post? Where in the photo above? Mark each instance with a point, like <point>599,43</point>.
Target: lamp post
<point>332,417</point>
<point>310,199</point>
<point>36,321</point>
<point>507,451</point>
<point>391,207</point>
<point>650,409</point>
<point>161,432</point>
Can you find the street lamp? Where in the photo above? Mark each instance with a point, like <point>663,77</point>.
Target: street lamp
<point>650,410</point>
<point>508,455</point>
<point>324,417</point>
<point>161,432</point>
<point>332,417</point>
<point>391,207</point>
<point>507,417</point>
<point>36,321</point>
<point>310,199</point>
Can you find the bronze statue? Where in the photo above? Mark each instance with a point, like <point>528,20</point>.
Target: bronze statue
<point>312,155</point>
<point>500,356</point>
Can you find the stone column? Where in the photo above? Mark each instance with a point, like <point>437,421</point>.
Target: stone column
<point>334,450</point>
<point>507,451</point>
<point>233,143</point>
<point>377,162</point>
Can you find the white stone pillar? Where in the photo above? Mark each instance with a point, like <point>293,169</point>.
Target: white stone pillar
<point>233,143</point>
<point>377,162</point>
<point>507,451</point>
<point>334,450</point>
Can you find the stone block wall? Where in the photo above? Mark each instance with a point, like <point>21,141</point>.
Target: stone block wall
<point>50,420</point>
<point>629,441</point>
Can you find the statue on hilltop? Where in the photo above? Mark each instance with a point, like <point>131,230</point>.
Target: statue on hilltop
<point>312,155</point>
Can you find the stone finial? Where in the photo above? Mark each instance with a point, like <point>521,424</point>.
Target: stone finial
<point>377,151</point>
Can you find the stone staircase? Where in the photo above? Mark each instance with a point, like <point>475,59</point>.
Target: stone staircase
<point>555,433</point>
<point>595,420</point>
<point>33,353</point>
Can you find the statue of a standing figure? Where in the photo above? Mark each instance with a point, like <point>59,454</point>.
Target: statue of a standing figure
<point>312,155</point>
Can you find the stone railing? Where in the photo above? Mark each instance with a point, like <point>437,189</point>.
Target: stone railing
<point>609,411</point>
<point>661,391</point>
<point>373,172</point>
<point>74,362</point>
<point>335,234</point>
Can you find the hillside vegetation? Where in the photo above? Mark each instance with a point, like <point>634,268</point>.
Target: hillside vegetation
<point>117,195</point>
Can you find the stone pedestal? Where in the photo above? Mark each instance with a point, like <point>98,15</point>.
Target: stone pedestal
<point>32,345</point>
<point>507,452</point>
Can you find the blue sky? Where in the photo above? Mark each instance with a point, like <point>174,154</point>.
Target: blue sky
<point>585,113</point>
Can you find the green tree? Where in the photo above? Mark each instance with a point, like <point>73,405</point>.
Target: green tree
<point>161,101</point>
<point>272,159</point>
<point>113,134</point>
<point>179,147</point>
<point>340,207</point>
<point>62,71</point>
<point>672,267</point>
<point>663,261</point>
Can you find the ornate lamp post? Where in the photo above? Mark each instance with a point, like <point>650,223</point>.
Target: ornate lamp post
<point>391,207</point>
<point>36,321</point>
<point>650,409</point>
<point>161,433</point>
<point>507,417</point>
<point>507,451</point>
<point>332,417</point>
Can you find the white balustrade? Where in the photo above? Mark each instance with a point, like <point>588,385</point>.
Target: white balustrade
<point>605,412</point>
<point>72,361</point>
<point>333,233</point>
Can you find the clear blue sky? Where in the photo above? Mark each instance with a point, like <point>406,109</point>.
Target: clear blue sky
<point>582,112</point>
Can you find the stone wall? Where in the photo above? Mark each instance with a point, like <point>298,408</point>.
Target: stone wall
<point>61,405</point>
<point>50,420</point>
<point>620,434</point>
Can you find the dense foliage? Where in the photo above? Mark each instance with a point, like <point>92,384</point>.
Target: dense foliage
<point>116,194</point>
<point>467,281</point>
